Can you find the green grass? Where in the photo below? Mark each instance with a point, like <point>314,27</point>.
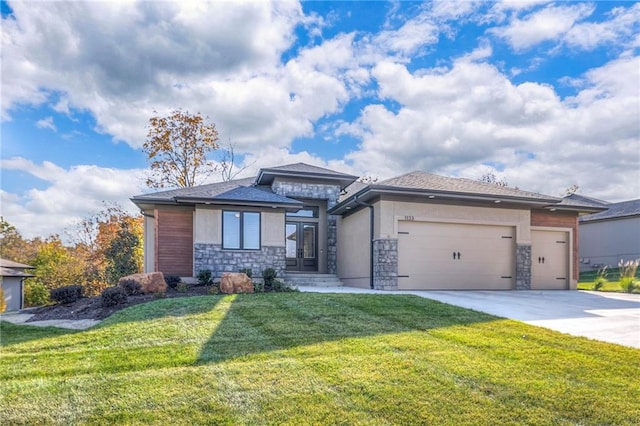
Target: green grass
<point>312,359</point>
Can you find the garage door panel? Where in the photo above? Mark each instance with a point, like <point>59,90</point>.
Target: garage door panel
<point>454,256</point>
<point>549,260</point>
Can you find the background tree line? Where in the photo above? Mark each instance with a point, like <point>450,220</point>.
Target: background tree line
<point>104,247</point>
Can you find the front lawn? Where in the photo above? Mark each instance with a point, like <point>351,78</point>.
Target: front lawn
<point>312,359</point>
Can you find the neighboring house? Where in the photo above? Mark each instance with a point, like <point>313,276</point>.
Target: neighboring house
<point>12,275</point>
<point>610,236</point>
<point>416,231</point>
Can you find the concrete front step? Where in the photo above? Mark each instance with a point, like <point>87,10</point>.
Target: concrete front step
<point>313,280</point>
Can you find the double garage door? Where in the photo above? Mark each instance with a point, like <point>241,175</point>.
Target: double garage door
<point>447,256</point>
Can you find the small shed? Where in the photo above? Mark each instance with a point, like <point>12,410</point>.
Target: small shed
<point>12,276</point>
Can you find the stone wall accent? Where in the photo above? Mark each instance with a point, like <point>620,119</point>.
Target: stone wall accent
<point>385,264</point>
<point>523,267</point>
<point>211,256</point>
<point>316,191</point>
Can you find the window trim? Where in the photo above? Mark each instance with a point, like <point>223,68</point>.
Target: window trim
<point>241,230</point>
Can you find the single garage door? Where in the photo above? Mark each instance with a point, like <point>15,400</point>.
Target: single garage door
<point>549,260</point>
<point>446,256</point>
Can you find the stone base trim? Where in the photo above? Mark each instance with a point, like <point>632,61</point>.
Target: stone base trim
<point>523,267</point>
<point>212,257</point>
<point>385,264</point>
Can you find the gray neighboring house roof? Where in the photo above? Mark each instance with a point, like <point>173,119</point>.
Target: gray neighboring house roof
<point>9,268</point>
<point>441,187</point>
<point>583,200</point>
<point>615,210</point>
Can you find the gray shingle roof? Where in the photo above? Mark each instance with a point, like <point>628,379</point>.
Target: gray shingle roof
<point>10,272</point>
<point>583,200</point>
<point>11,264</point>
<point>202,191</point>
<point>615,210</point>
<point>307,169</point>
<point>252,194</point>
<point>426,181</point>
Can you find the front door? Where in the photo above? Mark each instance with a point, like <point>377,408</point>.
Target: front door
<point>302,246</point>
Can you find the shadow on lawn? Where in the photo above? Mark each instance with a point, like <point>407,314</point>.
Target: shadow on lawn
<point>268,322</point>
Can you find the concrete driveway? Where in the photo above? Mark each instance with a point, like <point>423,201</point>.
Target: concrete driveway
<point>609,317</point>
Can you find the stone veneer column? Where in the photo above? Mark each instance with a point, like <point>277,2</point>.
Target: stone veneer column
<point>385,264</point>
<point>523,267</point>
<point>316,191</point>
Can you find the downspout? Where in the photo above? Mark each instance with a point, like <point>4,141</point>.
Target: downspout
<point>371,232</point>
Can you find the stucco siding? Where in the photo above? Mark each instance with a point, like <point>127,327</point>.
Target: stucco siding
<point>354,248</point>
<point>272,232</point>
<point>149,244</point>
<point>208,226</point>
<point>607,242</point>
<point>390,212</point>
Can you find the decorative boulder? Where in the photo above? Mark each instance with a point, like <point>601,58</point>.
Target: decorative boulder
<point>232,282</point>
<point>150,283</point>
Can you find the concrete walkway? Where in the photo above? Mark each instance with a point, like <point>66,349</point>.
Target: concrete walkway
<point>609,317</point>
<point>21,318</point>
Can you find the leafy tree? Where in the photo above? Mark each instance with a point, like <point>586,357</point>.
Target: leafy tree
<point>177,147</point>
<point>121,255</point>
<point>12,245</point>
<point>56,265</point>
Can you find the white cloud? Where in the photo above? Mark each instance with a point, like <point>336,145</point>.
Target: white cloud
<point>549,23</point>
<point>46,123</point>
<point>452,121</point>
<point>71,194</point>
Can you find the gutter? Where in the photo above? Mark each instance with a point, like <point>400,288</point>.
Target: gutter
<point>371,232</point>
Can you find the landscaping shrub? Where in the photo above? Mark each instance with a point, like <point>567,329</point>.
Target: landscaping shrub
<point>172,280</point>
<point>131,287</point>
<point>281,287</point>
<point>601,279</point>
<point>215,288</point>
<point>247,271</point>
<point>182,287</point>
<point>205,277</point>
<point>268,278</point>
<point>35,293</point>
<point>258,287</point>
<point>113,296</point>
<point>628,275</point>
<point>66,294</point>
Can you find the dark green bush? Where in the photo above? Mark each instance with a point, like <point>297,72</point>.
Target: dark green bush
<point>172,280</point>
<point>66,294</point>
<point>268,278</point>
<point>182,287</point>
<point>280,287</point>
<point>247,271</point>
<point>112,296</point>
<point>131,287</point>
<point>205,277</point>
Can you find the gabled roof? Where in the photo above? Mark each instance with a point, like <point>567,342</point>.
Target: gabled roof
<point>583,200</point>
<point>302,170</point>
<point>11,264</point>
<point>11,272</point>
<point>614,211</point>
<point>440,188</point>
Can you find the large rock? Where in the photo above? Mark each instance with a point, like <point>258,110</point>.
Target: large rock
<point>235,282</point>
<point>150,283</point>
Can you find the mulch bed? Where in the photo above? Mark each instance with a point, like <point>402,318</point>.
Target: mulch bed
<point>91,307</point>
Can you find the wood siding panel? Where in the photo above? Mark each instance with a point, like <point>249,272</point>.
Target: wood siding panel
<point>174,237</point>
<point>560,220</point>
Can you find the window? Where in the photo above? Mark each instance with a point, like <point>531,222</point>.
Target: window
<point>305,212</point>
<point>241,230</point>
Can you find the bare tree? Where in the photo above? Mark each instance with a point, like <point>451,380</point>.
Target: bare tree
<point>571,190</point>
<point>228,168</point>
<point>491,178</point>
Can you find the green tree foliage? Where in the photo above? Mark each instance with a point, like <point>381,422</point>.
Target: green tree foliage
<point>121,256</point>
<point>12,245</point>
<point>57,265</point>
<point>177,147</point>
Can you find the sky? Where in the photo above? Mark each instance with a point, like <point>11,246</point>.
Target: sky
<point>545,95</point>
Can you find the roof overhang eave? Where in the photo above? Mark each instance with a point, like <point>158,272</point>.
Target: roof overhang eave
<point>372,191</point>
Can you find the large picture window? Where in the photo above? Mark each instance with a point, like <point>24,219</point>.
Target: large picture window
<point>241,230</point>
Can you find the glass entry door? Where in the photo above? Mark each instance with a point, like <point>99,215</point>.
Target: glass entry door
<point>302,246</point>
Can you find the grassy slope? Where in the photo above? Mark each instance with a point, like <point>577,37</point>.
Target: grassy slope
<point>313,359</point>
